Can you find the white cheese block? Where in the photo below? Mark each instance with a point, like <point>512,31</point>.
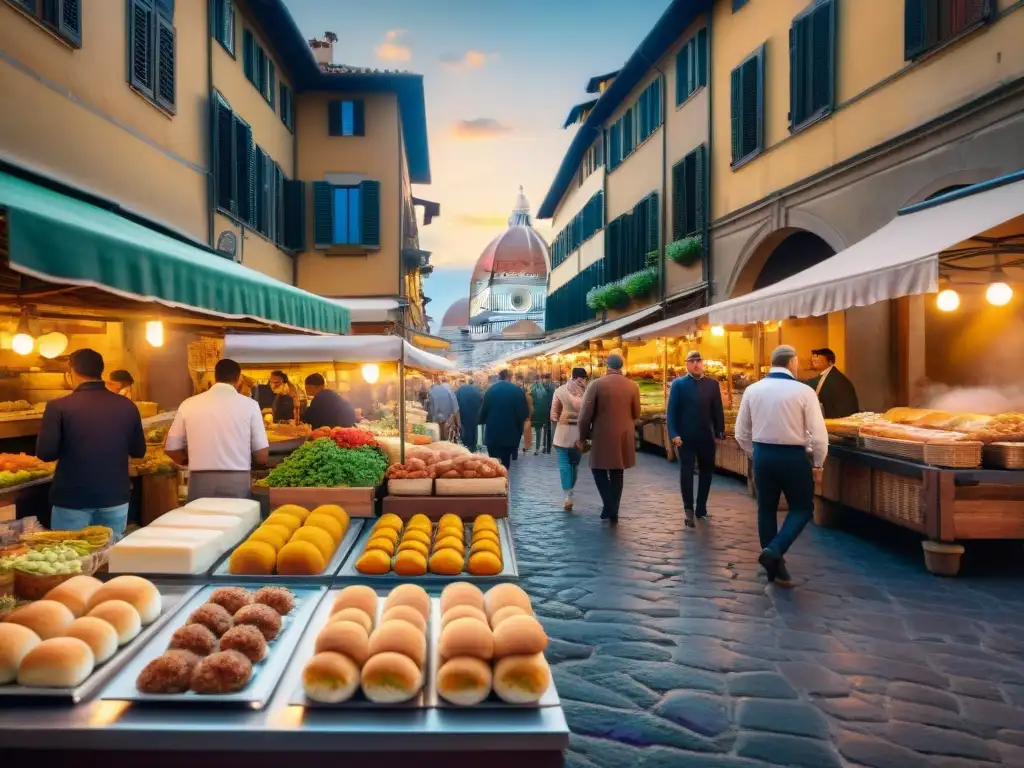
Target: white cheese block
<point>167,550</point>
<point>247,509</point>
<point>234,528</point>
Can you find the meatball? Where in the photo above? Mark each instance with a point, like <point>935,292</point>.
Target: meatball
<point>280,599</point>
<point>213,617</point>
<point>221,672</point>
<point>247,640</point>
<point>263,617</point>
<point>170,673</point>
<point>195,638</point>
<point>230,598</point>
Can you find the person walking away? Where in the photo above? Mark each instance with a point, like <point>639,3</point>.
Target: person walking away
<point>470,399</point>
<point>503,413</point>
<point>696,418</point>
<point>608,415</point>
<point>540,418</point>
<point>549,441</point>
<point>120,382</point>
<point>443,409</point>
<point>327,408</point>
<point>835,391</point>
<point>527,387</point>
<point>286,397</point>
<point>91,434</point>
<point>777,418</point>
<point>219,435</point>
<point>565,411</point>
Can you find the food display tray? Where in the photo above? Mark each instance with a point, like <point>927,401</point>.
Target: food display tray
<point>293,677</point>
<point>203,577</point>
<point>266,674</point>
<point>221,574</point>
<point>173,596</point>
<point>510,572</point>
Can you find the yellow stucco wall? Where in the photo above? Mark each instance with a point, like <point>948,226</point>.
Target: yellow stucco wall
<point>879,95</point>
<point>376,156</point>
<point>87,127</point>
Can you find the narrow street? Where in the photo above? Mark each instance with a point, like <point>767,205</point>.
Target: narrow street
<point>670,649</point>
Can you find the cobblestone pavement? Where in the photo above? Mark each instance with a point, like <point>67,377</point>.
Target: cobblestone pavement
<point>670,649</point>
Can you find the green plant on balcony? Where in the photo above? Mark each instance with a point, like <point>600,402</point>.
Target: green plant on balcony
<point>652,259</point>
<point>595,298</point>
<point>685,252</point>
<point>640,284</point>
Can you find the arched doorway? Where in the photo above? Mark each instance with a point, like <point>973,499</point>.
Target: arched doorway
<point>781,254</point>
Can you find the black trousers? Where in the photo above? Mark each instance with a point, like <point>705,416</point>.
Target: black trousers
<point>782,470</point>
<point>502,453</point>
<point>701,453</point>
<point>609,485</point>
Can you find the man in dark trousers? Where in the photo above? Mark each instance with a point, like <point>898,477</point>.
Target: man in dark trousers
<point>326,408</point>
<point>91,433</point>
<point>470,400</point>
<point>696,419</point>
<point>503,414</point>
<point>836,393</point>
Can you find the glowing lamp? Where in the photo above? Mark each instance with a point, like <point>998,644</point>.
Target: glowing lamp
<point>947,300</point>
<point>998,294</point>
<point>717,330</point>
<point>23,343</point>
<point>371,372</point>
<point>52,345</point>
<point>155,333</point>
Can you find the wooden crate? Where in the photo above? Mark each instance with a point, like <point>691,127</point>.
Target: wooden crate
<point>466,507</point>
<point>358,502</point>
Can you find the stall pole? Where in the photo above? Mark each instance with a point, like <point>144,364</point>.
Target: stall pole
<point>401,408</point>
<point>728,367</point>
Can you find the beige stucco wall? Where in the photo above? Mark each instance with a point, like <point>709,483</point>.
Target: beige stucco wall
<point>87,127</point>
<point>352,272</point>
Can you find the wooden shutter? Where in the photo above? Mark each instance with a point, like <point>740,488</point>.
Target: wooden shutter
<point>165,64</point>
<point>69,21</point>
<point>140,47</point>
<point>682,74</point>
<point>700,190</point>
<point>678,200</point>
<point>243,170</point>
<point>653,230</point>
<point>224,178</point>
<point>224,23</point>
<point>295,214</point>
<point>358,118</point>
<point>249,55</point>
<point>615,145</point>
<point>370,194</point>
<point>334,117</point>
<point>798,70</point>
<point>914,38</point>
<point>736,102</point>
<point>323,213</point>
<point>701,57</point>
<point>271,88</point>
<point>822,58</point>
<point>655,104</point>
<point>600,209</point>
<point>259,215</point>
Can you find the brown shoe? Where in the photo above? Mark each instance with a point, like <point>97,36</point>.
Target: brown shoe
<point>567,505</point>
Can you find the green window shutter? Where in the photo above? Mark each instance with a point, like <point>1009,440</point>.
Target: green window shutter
<point>334,117</point>
<point>69,20</point>
<point>271,88</point>
<point>259,186</point>
<point>915,39</point>
<point>702,57</point>
<point>249,55</point>
<point>822,56</point>
<point>323,213</point>
<point>166,53</point>
<point>243,170</point>
<point>600,209</point>
<point>224,24</point>
<point>358,118</point>
<point>294,238</point>
<point>678,200</point>
<point>797,71</point>
<point>653,230</point>
<point>682,74</point>
<point>736,103</point>
<point>224,181</point>
<point>141,47</point>
<point>700,190</point>
<point>656,117</point>
<point>370,194</point>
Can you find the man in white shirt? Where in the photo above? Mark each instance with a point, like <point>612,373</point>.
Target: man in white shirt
<point>218,435</point>
<point>779,424</point>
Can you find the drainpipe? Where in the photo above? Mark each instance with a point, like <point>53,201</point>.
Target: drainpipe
<point>211,200</point>
<point>706,234</point>
<point>295,173</point>
<point>663,204</point>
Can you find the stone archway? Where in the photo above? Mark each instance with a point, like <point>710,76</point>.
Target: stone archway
<point>781,254</point>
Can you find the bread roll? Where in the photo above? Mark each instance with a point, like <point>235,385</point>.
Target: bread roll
<point>521,679</point>
<point>462,612</point>
<point>519,636</point>
<point>121,616</point>
<point>412,595</point>
<point>399,636</point>
<point>346,638</point>
<point>464,681</point>
<point>100,636</point>
<point>502,595</point>
<point>75,593</point>
<point>390,678</point>
<point>405,613</point>
<point>330,678</point>
<point>134,590</point>
<point>15,642</point>
<point>466,637</point>
<point>352,614</point>
<point>503,613</point>
<point>47,618</point>
<point>60,662</point>
<point>357,596</point>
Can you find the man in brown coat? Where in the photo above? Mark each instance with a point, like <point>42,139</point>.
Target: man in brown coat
<point>607,418</point>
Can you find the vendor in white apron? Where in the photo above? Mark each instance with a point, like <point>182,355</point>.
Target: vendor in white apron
<point>218,435</point>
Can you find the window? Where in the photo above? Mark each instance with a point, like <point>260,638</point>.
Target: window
<point>567,306</point>
<point>244,172</point>
<point>62,17</point>
<point>615,145</point>
<point>151,48</point>
<point>812,46</point>
<point>346,215</point>
<point>747,96</point>
<point>583,226</point>
<point>287,107</point>
<point>224,24</point>
<point>628,132</point>
<point>346,118</point>
<point>689,188</point>
<point>930,23</point>
<point>692,66</point>
<point>648,111</point>
<point>630,237</point>
<point>259,69</point>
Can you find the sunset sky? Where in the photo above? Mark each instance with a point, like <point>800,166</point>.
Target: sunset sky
<point>500,79</point>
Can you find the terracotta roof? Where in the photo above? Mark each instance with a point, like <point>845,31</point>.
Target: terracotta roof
<point>517,252</point>
<point>523,328</point>
<point>457,315</point>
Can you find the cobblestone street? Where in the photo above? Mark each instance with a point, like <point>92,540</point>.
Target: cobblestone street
<point>670,649</point>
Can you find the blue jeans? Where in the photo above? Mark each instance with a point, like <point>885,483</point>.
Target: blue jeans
<point>64,519</point>
<point>778,470</point>
<point>567,469</point>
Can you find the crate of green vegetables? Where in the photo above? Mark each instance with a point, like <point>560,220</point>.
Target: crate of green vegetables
<point>41,569</point>
<point>320,472</point>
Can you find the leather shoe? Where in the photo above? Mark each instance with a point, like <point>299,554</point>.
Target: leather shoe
<point>770,563</point>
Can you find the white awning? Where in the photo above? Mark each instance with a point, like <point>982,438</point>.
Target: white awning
<point>370,310</point>
<point>605,329</point>
<point>900,259</point>
<point>270,349</point>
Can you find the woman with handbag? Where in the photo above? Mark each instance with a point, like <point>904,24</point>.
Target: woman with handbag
<point>565,409</point>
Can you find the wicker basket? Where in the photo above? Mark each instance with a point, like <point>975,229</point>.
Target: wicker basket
<point>1005,455</point>
<point>964,454</point>
<point>855,487</point>
<point>897,498</point>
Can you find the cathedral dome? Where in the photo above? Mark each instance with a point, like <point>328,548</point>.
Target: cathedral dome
<point>522,329</point>
<point>457,315</point>
<point>517,252</point>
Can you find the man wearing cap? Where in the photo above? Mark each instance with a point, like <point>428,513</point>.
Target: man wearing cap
<point>695,419</point>
<point>835,392</point>
<point>781,426</point>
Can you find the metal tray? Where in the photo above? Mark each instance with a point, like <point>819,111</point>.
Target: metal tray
<point>266,674</point>
<point>203,577</point>
<point>510,572</point>
<point>174,596</point>
<point>221,574</point>
<point>293,677</point>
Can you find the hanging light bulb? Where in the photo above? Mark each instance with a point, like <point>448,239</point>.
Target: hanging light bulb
<point>998,294</point>
<point>155,333</point>
<point>52,345</point>
<point>371,372</point>
<point>23,342</point>
<point>947,300</point>
<point>717,330</point>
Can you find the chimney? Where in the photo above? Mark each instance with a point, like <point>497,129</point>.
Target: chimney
<point>323,50</point>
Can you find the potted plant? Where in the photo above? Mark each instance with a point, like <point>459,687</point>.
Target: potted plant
<point>640,284</point>
<point>685,252</point>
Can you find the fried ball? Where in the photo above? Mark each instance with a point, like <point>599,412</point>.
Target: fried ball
<point>247,640</point>
<point>253,558</point>
<point>486,535</point>
<point>447,562</point>
<point>300,558</point>
<point>291,522</point>
<point>222,672</point>
<point>419,522</point>
<point>263,617</point>
<point>318,537</point>
<point>483,522</point>
<point>485,545</point>
<point>458,531</point>
<point>170,673</point>
<point>449,542</point>
<point>335,511</point>
<point>329,524</point>
<point>415,534</point>
<point>274,535</point>
<point>410,563</point>
<point>194,638</point>
<point>383,544</point>
<point>461,593</point>
<point>389,520</point>
<point>485,564</point>
<point>230,598</point>
<point>213,617</point>
<point>415,546</point>
<point>449,519</point>
<point>280,599</point>
<point>374,563</point>
<point>294,510</point>
<point>386,533</point>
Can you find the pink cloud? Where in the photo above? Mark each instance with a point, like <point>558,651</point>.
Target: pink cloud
<point>392,48</point>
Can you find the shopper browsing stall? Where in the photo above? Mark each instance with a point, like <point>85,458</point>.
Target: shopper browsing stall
<point>327,408</point>
<point>503,414</point>
<point>218,435</point>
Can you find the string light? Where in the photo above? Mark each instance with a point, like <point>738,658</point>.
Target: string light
<point>717,330</point>
<point>947,300</point>
<point>998,294</point>
<point>155,333</point>
<point>371,372</point>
